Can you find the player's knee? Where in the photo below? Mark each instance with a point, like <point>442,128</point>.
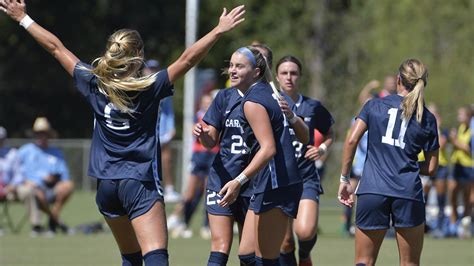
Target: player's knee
<point>306,233</point>
<point>220,244</point>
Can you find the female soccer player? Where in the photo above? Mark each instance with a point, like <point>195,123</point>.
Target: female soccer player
<point>276,183</point>
<point>462,167</point>
<point>124,142</point>
<point>289,71</point>
<point>222,126</point>
<point>399,127</point>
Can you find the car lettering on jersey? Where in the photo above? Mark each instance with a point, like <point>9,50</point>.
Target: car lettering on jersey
<point>232,123</point>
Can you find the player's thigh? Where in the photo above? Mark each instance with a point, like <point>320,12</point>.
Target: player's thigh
<point>288,244</point>
<point>247,240</point>
<point>367,245</point>
<point>221,232</point>
<point>410,244</point>
<point>124,234</point>
<point>270,229</point>
<point>150,228</point>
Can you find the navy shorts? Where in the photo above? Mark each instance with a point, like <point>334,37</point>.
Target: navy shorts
<point>120,197</point>
<point>462,174</point>
<point>374,212</point>
<point>201,163</point>
<point>238,209</point>
<point>442,173</point>
<point>285,198</point>
<point>312,189</point>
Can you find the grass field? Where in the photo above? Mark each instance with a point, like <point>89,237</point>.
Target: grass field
<point>100,249</point>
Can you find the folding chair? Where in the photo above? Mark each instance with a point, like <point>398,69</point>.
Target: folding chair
<point>6,218</point>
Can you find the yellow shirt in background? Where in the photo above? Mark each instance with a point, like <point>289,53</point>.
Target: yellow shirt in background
<point>459,156</point>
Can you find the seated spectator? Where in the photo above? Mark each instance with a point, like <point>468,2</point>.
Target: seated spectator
<point>45,167</point>
<point>13,187</point>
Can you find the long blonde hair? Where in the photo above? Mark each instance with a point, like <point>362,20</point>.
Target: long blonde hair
<point>414,77</point>
<point>117,70</point>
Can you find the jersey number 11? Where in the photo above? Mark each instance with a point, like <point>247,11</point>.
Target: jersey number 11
<point>388,138</point>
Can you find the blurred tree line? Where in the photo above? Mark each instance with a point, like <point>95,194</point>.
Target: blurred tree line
<point>343,44</point>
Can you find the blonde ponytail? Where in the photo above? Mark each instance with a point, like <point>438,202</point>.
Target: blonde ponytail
<point>413,75</point>
<point>118,68</point>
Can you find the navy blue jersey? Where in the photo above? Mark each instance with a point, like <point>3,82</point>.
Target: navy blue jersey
<point>315,116</point>
<point>124,145</point>
<point>282,170</point>
<point>224,114</point>
<point>391,167</point>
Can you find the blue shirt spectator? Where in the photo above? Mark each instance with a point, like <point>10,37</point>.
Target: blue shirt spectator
<point>45,168</point>
<point>38,163</point>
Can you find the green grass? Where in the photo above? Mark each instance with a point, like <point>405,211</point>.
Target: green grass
<point>100,249</point>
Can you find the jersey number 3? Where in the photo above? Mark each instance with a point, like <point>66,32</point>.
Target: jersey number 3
<point>388,138</point>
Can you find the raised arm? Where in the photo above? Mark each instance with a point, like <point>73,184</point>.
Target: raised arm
<point>198,50</point>
<point>16,9</point>
<point>365,93</point>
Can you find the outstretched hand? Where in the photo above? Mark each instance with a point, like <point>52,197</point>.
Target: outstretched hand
<point>16,9</point>
<point>228,21</point>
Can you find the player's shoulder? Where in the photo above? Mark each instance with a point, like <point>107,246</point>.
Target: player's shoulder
<point>259,91</point>
<point>224,95</point>
<point>83,70</point>
<point>377,102</point>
